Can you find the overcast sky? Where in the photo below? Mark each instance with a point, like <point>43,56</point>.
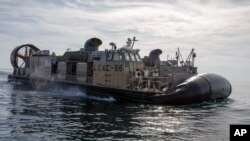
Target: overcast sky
<point>219,30</point>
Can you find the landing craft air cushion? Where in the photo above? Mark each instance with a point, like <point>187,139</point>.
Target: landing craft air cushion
<point>119,73</point>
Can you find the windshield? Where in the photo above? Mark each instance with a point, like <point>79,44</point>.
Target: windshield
<point>138,58</point>
<point>127,58</point>
<point>117,57</point>
<point>109,56</point>
<point>132,55</point>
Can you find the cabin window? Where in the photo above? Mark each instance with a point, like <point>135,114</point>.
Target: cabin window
<point>103,57</point>
<point>109,56</point>
<point>126,56</point>
<point>117,57</point>
<point>132,55</point>
<point>138,58</point>
<point>96,55</point>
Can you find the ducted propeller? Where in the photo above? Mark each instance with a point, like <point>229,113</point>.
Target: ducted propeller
<point>20,54</point>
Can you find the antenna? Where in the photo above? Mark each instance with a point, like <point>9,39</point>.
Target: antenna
<point>180,58</point>
<point>177,56</point>
<point>134,39</point>
<point>189,57</point>
<point>69,49</point>
<point>193,56</point>
<point>113,45</point>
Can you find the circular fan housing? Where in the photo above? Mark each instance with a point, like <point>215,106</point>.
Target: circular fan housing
<point>19,56</point>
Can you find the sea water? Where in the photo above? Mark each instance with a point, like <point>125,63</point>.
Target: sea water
<point>27,114</point>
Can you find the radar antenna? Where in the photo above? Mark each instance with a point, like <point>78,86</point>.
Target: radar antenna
<point>113,45</point>
<point>134,39</point>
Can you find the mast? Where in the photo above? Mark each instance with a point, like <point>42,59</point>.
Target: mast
<point>134,39</point>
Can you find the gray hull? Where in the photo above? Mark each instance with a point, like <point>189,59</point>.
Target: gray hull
<point>199,88</point>
<point>196,89</point>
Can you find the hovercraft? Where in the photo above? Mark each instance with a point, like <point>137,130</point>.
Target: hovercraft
<point>120,73</point>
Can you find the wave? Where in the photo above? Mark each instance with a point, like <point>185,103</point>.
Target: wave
<point>61,92</point>
<point>76,92</point>
<point>5,72</point>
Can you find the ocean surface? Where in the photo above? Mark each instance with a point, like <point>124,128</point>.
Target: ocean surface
<point>30,115</point>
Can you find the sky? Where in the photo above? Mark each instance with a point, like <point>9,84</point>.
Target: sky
<point>218,30</point>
